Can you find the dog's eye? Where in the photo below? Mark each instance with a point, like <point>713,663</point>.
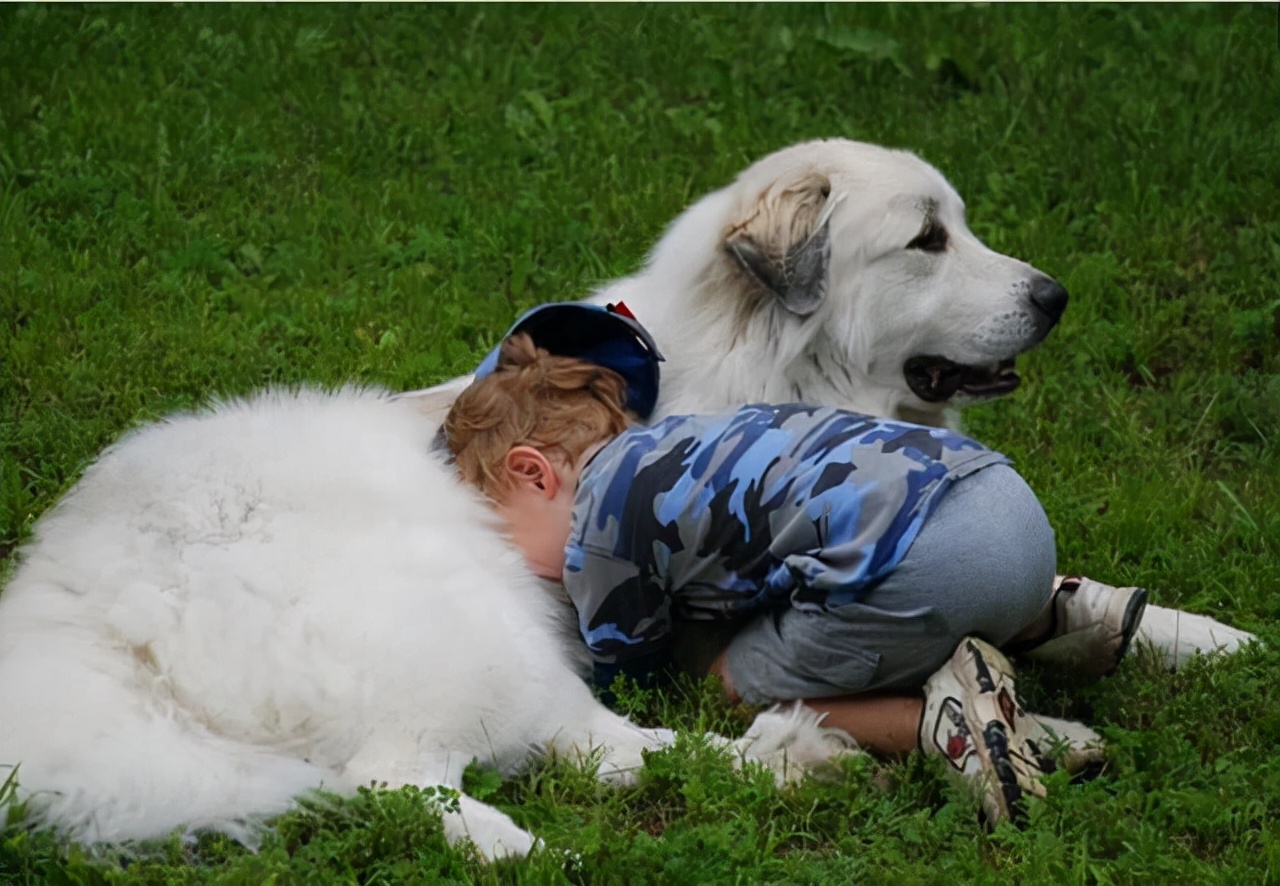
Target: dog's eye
<point>932,238</point>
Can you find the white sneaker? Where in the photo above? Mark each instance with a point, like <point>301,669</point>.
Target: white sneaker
<point>973,719</point>
<point>1093,625</point>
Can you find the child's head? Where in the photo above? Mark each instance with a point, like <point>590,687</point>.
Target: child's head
<point>559,406</point>
<point>519,434</point>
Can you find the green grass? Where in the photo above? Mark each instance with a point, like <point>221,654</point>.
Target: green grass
<point>203,199</point>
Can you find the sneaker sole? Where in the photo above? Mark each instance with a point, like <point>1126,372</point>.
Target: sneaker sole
<point>1129,625</point>
<point>993,709</point>
<point>995,784</point>
<point>996,742</point>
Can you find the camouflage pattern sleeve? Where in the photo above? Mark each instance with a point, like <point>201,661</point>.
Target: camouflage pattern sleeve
<point>624,613</point>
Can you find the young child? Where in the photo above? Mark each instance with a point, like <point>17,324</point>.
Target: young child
<point>839,559</point>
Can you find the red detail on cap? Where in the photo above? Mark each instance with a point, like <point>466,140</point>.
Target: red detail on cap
<point>956,745</point>
<point>621,308</point>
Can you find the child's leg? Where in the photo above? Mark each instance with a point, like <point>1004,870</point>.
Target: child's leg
<point>886,724</point>
<point>970,716</point>
<point>982,565</point>
<point>889,725</point>
<point>893,725</point>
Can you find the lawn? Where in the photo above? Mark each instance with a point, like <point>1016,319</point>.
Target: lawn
<point>201,200</point>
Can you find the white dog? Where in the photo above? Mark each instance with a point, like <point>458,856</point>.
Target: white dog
<point>843,274</point>
<point>284,593</point>
<point>837,273</point>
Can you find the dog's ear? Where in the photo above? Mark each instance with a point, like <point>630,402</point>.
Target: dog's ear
<point>783,243</point>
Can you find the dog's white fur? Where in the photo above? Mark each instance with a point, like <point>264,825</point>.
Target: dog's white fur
<point>287,592</point>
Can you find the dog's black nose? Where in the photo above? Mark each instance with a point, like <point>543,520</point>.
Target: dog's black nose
<point>1049,296</point>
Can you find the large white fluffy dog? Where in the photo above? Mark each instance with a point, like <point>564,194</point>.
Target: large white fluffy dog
<point>282,593</point>
<point>843,274</point>
<point>231,608</point>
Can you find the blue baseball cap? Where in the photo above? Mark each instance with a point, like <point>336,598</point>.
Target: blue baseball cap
<point>607,335</point>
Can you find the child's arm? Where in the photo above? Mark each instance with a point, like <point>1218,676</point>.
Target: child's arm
<point>624,616</point>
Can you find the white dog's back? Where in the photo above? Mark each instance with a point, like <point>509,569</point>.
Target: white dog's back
<point>233,607</point>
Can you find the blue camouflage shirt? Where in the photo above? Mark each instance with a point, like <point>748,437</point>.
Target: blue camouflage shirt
<point>714,516</point>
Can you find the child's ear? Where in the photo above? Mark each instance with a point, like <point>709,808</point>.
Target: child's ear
<point>528,468</point>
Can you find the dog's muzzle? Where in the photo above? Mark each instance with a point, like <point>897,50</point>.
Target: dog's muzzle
<point>936,379</point>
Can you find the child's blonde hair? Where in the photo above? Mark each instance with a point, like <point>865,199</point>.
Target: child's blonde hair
<point>557,405</point>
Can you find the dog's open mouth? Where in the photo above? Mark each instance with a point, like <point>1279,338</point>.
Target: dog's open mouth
<point>935,379</point>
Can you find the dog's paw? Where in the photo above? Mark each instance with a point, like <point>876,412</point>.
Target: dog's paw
<point>660,738</point>
<point>492,832</point>
<point>1179,635</point>
<point>790,740</point>
<point>618,776</point>
<point>623,757</point>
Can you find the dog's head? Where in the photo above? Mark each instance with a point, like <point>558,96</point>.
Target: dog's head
<point>862,255</point>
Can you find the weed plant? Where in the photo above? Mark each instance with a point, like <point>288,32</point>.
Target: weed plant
<point>197,201</point>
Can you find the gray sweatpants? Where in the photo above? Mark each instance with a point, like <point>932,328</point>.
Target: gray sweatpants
<point>982,564</point>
